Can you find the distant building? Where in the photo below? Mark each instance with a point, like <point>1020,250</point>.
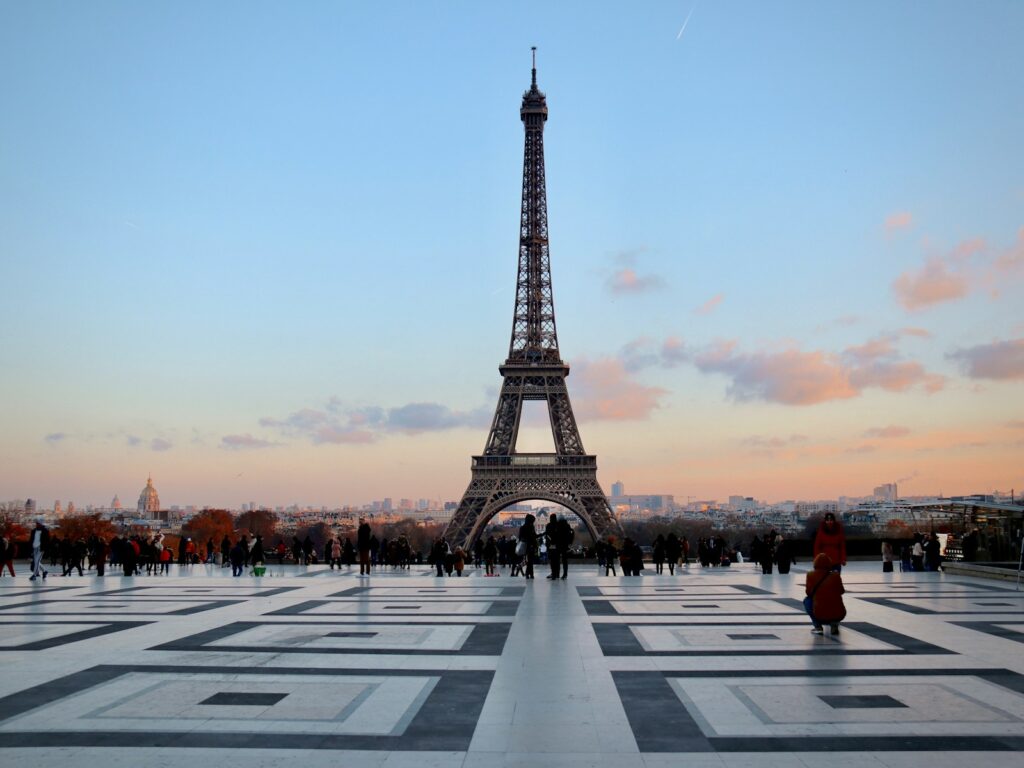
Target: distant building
<point>56,507</point>
<point>886,492</point>
<point>149,500</point>
<point>618,489</point>
<point>71,508</point>
<point>30,507</point>
<point>115,503</point>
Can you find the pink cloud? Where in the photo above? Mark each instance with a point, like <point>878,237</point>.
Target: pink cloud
<point>896,377</point>
<point>605,390</point>
<point>898,220</point>
<point>931,284</point>
<point>710,305</point>
<point>795,377</point>
<point>887,433</point>
<point>871,349</point>
<point>627,281</point>
<point>1001,360</point>
<point>790,377</point>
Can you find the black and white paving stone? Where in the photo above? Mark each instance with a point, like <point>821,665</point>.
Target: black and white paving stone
<point>710,667</point>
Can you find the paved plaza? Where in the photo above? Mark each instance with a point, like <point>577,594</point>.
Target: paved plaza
<point>309,667</point>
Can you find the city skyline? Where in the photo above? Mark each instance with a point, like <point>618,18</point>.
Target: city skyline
<point>246,247</point>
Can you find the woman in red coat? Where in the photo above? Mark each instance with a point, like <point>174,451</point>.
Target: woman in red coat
<point>832,541</point>
<point>824,601</point>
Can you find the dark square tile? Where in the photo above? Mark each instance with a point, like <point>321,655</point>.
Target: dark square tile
<point>753,637</point>
<point>235,698</point>
<point>862,702</point>
<point>351,634</point>
<point>1003,605</point>
<point>403,607</point>
<point>700,605</point>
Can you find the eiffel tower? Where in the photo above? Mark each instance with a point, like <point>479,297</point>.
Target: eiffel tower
<point>533,371</point>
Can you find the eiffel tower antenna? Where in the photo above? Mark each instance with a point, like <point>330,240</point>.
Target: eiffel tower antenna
<point>533,370</point>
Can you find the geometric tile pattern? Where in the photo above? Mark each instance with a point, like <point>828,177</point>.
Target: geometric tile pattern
<point>709,667</point>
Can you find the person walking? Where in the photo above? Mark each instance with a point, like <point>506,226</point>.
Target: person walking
<point>7,550</point>
<point>40,538</point>
<point>490,554</point>
<point>831,540</point>
<point>237,559</point>
<point>658,554</point>
<point>363,536</point>
<point>824,600</point>
<point>437,555</point>
<point>673,549</point>
<point>611,554</point>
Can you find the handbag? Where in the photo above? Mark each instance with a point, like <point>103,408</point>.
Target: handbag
<point>521,548</point>
<point>809,599</point>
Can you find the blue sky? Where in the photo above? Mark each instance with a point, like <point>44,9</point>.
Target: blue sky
<point>240,240</point>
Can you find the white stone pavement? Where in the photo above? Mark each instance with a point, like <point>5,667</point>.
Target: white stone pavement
<point>710,667</point>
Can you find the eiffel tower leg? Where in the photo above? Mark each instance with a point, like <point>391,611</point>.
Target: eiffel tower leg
<point>471,508</point>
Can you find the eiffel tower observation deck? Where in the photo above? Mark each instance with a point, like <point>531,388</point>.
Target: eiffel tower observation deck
<point>533,370</point>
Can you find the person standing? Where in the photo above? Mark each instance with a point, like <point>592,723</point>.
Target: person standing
<point>552,539</point>
<point>565,538</point>
<point>917,554</point>
<point>257,556</point>
<point>528,538</point>
<point>887,557</point>
<point>824,590</point>
<point>783,555</point>
<point>363,536</point>
<point>40,538</point>
<point>932,552</point>
<point>831,540</point>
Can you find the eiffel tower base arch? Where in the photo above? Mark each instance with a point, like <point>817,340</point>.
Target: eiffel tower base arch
<point>500,481</point>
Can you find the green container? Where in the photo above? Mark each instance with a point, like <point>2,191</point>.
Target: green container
<point>259,570</point>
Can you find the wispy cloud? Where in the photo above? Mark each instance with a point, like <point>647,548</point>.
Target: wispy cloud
<point>887,433</point>
<point>931,284</point>
<point>245,442</point>
<point>1000,360</point>
<point>133,441</point>
<point>604,389</point>
<point>710,305</point>
<point>898,220</point>
<point>336,425</point>
<point>792,376</point>
<point>764,446</point>
<point>56,437</point>
<point>160,444</point>
<point>973,265</point>
<point>626,281</point>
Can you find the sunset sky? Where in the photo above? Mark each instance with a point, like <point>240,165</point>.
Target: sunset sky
<point>267,251</point>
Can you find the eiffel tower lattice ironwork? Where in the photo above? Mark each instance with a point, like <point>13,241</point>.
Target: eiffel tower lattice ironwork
<point>533,371</point>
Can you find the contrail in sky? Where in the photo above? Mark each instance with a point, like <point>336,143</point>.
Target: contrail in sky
<point>683,28</point>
